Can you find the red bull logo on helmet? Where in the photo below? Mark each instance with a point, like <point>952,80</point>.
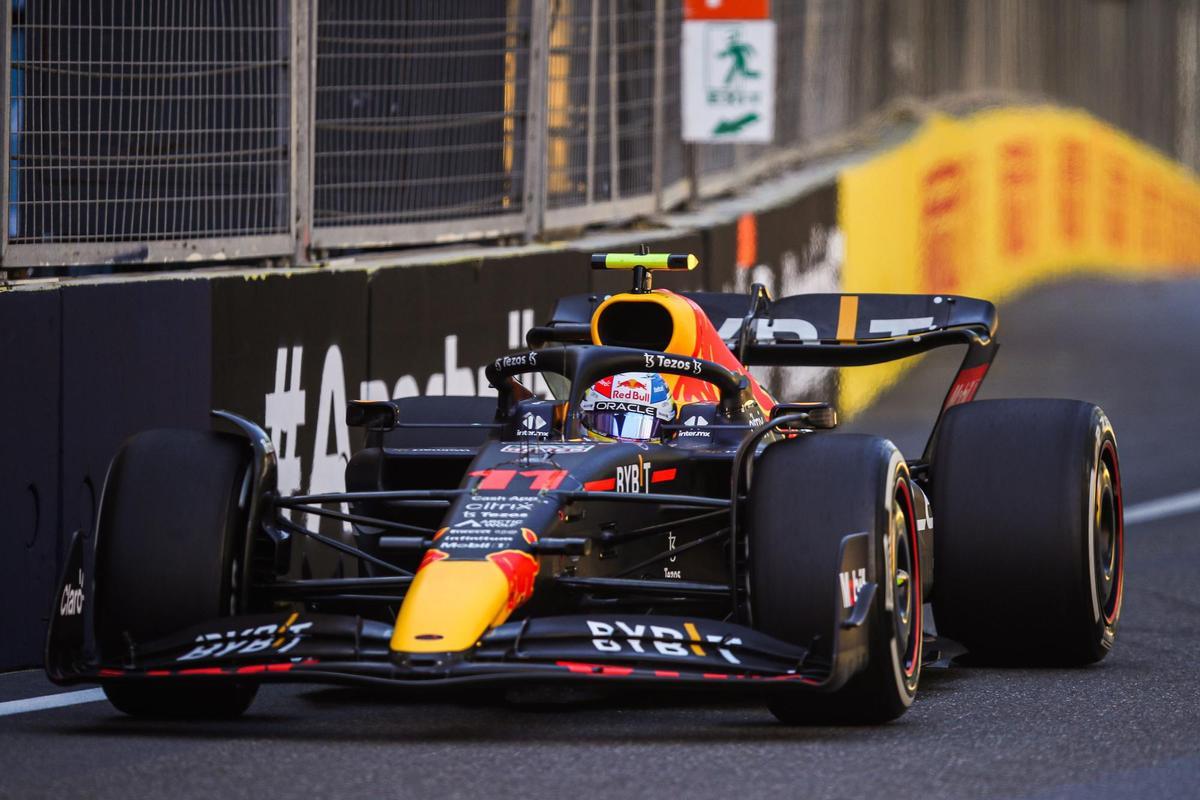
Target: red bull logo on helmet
<point>645,389</point>
<point>631,389</point>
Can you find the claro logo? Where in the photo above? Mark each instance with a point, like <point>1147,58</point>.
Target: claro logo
<point>70,604</point>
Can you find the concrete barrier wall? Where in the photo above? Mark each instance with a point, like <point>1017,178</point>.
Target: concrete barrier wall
<point>30,344</point>
<point>84,366</point>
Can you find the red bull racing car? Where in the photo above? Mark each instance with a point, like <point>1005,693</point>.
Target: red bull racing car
<point>659,519</point>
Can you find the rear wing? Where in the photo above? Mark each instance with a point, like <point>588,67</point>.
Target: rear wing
<point>850,330</point>
<point>843,330</point>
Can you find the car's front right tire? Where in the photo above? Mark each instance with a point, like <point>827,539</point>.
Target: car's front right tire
<point>806,495</point>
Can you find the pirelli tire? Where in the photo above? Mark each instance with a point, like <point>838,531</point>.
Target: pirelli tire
<point>1030,543</point>
<point>169,541</point>
<point>805,496</point>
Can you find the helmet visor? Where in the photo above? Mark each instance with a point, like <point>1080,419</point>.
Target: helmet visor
<point>626,425</point>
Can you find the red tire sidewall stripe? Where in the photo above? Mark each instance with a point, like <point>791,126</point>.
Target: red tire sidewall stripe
<point>1108,448</point>
<point>918,606</point>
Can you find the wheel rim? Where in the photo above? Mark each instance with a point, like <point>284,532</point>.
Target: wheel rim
<point>904,574</point>
<point>1108,540</point>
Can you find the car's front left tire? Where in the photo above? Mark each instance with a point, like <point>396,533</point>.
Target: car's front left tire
<point>169,541</point>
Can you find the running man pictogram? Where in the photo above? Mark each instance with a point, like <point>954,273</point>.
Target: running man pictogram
<point>739,52</point>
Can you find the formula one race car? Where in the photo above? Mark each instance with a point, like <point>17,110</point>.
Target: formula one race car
<point>658,520</point>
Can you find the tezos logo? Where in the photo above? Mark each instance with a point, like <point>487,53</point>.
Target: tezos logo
<point>659,361</point>
<point>522,360</point>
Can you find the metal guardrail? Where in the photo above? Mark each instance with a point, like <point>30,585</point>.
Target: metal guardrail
<point>175,131</point>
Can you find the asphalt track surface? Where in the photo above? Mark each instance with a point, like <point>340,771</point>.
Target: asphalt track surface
<point>1129,727</point>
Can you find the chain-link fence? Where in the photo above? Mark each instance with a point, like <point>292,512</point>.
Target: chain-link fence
<point>420,119</point>
<point>138,124</point>
<point>613,102</point>
<point>174,131</point>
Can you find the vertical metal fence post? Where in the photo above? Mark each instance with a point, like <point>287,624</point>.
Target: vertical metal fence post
<point>691,155</point>
<point>901,79</point>
<point>976,46</point>
<point>303,21</point>
<point>536,119</point>
<point>1187,143</point>
<point>614,130</point>
<point>6,115</point>
<point>656,179</point>
<point>593,46</point>
<point>299,24</point>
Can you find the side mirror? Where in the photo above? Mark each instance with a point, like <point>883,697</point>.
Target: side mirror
<point>374,415</point>
<point>815,416</point>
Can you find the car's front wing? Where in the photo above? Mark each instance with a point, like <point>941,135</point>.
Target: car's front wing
<point>631,648</point>
<point>352,650</point>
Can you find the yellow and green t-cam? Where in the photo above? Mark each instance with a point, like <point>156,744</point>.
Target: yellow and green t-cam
<point>673,261</point>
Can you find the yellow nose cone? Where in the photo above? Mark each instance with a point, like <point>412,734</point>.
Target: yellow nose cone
<point>449,605</point>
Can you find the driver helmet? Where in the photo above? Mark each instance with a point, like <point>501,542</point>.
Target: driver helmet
<point>629,407</point>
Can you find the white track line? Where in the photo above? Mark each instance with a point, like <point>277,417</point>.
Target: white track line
<point>50,701</point>
<point>1172,506</point>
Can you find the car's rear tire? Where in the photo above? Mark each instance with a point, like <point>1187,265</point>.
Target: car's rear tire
<point>169,540</point>
<point>806,495</point>
<point>1029,543</point>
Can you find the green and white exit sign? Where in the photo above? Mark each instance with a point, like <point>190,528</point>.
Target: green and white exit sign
<point>728,71</point>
